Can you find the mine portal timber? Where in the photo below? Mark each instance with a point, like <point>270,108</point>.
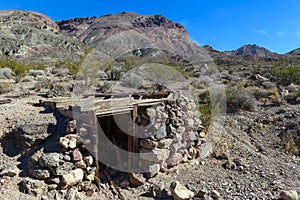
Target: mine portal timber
<point>92,110</point>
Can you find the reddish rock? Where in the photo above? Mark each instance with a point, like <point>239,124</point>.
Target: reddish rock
<point>137,179</point>
<point>174,159</point>
<point>76,155</point>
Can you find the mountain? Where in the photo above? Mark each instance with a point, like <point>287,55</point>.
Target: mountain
<point>295,52</point>
<point>26,34</point>
<point>119,34</point>
<point>251,49</point>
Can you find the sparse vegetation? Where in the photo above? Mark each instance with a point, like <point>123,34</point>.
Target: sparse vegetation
<point>291,143</point>
<point>238,98</point>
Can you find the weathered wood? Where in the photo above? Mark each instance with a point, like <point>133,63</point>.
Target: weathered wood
<point>113,185</point>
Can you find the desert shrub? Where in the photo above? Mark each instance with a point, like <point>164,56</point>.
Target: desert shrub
<point>5,73</point>
<point>71,64</point>
<point>239,99</point>
<point>290,142</point>
<point>267,96</point>
<point>20,68</point>
<point>286,74</point>
<point>5,87</point>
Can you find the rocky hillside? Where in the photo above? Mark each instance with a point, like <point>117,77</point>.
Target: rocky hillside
<point>25,34</point>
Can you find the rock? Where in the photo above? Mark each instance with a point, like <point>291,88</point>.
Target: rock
<point>229,165</point>
<point>155,155</point>
<point>174,159</point>
<point>69,141</point>
<point>180,192</point>
<point>148,144</point>
<point>161,132</point>
<point>201,193</point>
<point>76,155</point>
<point>91,170</point>
<point>32,134</point>
<point>52,186</point>
<point>89,177</point>
<point>175,147</point>
<point>151,112</point>
<point>137,179</point>
<point>205,149</point>
<point>158,191</point>
<point>11,171</point>
<point>80,164</point>
<point>238,161</point>
<point>165,143</point>
<point>49,160</point>
<point>222,155</point>
<point>34,159</point>
<point>63,168</point>
<point>72,178</point>
<point>215,194</point>
<point>192,135</point>
<point>289,195</point>
<point>39,173</point>
<point>152,170</point>
<point>88,160</point>
<point>71,194</point>
<point>181,129</point>
<point>35,187</point>
<point>55,180</point>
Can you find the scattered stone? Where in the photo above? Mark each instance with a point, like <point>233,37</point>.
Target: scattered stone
<point>180,192</point>
<point>72,178</point>
<point>11,171</point>
<point>71,194</point>
<point>137,179</point>
<point>71,127</point>
<point>89,177</point>
<point>174,159</point>
<point>289,195</point>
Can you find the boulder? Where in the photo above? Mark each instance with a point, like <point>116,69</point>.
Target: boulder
<point>165,143</point>
<point>88,160</point>
<point>180,192</point>
<point>63,168</point>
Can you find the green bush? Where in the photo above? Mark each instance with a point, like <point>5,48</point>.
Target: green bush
<point>5,87</point>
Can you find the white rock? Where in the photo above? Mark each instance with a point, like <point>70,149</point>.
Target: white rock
<point>72,178</point>
<point>289,195</point>
<point>180,192</point>
<point>155,155</point>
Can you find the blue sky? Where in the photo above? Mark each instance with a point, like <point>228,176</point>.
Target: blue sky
<point>223,24</point>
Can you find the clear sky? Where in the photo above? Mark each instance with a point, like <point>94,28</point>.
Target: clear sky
<point>223,24</point>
